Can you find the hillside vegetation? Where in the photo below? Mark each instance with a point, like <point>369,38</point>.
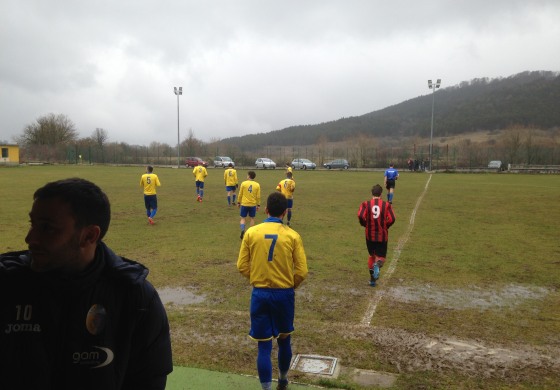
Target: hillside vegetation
<point>528,99</point>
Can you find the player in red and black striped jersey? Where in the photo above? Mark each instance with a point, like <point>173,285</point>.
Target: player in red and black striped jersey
<point>376,216</point>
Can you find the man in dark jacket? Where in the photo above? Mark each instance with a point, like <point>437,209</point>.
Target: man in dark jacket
<point>73,314</point>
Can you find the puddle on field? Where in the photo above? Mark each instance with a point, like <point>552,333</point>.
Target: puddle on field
<point>472,298</point>
<point>179,296</point>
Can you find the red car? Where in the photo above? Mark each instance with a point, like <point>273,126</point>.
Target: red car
<point>195,161</point>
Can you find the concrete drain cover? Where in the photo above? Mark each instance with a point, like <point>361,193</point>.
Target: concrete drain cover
<point>314,364</point>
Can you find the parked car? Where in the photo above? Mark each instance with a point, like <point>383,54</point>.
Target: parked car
<point>195,161</point>
<point>495,164</point>
<point>265,163</point>
<point>223,161</point>
<point>303,163</point>
<point>340,163</point>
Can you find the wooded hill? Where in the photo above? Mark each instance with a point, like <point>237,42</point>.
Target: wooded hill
<point>528,99</point>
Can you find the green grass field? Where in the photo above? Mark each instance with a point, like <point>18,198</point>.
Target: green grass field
<point>469,296</point>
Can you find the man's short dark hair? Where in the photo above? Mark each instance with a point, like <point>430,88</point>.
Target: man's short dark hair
<point>376,190</point>
<point>276,204</point>
<point>88,202</point>
<point>230,165</point>
<point>150,169</point>
<point>289,175</point>
<point>252,175</point>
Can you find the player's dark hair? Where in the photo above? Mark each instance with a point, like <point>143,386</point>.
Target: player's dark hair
<point>252,175</point>
<point>150,169</point>
<point>289,175</point>
<point>230,165</point>
<point>276,204</point>
<point>88,202</point>
<point>376,190</point>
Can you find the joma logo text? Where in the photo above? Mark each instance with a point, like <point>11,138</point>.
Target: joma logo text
<point>15,328</point>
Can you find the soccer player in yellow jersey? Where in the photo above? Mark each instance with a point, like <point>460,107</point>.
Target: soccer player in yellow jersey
<point>149,181</point>
<point>273,258</point>
<point>289,169</point>
<point>199,173</point>
<point>230,179</point>
<point>287,187</point>
<point>249,200</point>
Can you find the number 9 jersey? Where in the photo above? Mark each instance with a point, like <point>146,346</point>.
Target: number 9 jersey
<point>376,216</point>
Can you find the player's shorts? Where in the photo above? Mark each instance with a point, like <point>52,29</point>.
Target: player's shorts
<point>248,210</point>
<point>272,312</point>
<point>378,248</point>
<point>150,201</point>
<point>199,184</point>
<point>230,188</point>
<point>290,203</point>
<point>390,183</point>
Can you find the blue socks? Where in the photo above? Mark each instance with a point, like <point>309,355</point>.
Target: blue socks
<point>264,363</point>
<point>284,357</point>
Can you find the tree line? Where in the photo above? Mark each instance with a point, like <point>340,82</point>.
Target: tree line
<point>522,108</point>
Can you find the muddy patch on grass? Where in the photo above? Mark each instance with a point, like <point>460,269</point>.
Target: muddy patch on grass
<point>416,352</point>
<point>471,298</point>
<point>179,296</point>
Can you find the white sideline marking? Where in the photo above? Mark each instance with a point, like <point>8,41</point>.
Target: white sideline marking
<point>366,320</point>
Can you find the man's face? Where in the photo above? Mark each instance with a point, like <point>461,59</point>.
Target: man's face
<point>53,239</point>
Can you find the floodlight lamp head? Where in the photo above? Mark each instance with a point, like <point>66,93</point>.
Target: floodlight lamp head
<point>429,83</point>
<point>438,83</point>
<point>178,91</point>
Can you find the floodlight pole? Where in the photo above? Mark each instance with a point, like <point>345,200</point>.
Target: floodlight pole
<point>433,87</point>
<point>178,91</point>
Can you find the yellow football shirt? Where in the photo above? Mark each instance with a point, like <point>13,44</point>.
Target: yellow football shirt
<point>230,177</point>
<point>149,181</point>
<point>249,194</point>
<point>272,256</point>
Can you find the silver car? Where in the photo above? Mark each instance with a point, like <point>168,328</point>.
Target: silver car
<point>223,162</point>
<point>303,163</point>
<point>265,163</point>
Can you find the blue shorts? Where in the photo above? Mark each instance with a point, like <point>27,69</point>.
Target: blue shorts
<point>230,188</point>
<point>248,210</point>
<point>290,203</point>
<point>199,184</point>
<point>150,201</point>
<point>272,312</point>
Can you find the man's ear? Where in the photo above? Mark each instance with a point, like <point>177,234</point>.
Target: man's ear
<point>90,235</point>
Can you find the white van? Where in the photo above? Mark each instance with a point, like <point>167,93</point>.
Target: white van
<point>495,164</point>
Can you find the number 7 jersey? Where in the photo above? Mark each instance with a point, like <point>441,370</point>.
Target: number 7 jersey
<point>272,256</point>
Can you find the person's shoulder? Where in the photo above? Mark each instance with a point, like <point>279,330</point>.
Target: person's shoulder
<point>293,234</point>
<point>123,268</point>
<point>14,261</point>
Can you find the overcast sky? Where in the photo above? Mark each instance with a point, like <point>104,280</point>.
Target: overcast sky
<point>251,66</point>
